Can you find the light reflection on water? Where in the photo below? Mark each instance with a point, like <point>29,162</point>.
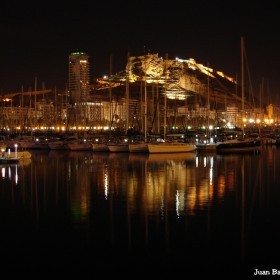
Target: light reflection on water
<point>173,210</point>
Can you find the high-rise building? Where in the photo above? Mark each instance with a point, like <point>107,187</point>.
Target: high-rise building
<point>79,77</point>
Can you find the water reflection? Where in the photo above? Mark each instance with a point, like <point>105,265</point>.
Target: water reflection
<point>177,184</point>
<point>178,208</point>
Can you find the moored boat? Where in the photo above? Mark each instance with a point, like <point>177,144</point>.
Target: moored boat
<point>80,145</point>
<point>22,141</point>
<point>206,147</point>
<point>15,154</point>
<point>61,144</point>
<point>118,147</point>
<point>100,147</point>
<point>174,147</point>
<point>138,147</point>
<point>99,144</point>
<point>239,145</point>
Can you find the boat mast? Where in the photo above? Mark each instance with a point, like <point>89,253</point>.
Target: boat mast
<point>208,106</point>
<point>165,99</point>
<point>110,96</point>
<point>242,85</point>
<point>145,103</point>
<point>127,95</point>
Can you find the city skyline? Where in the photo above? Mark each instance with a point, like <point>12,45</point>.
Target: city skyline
<point>36,42</point>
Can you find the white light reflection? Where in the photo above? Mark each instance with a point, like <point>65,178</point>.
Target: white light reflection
<point>3,172</point>
<point>180,202</point>
<point>205,161</point>
<point>177,204</point>
<point>106,183</point>
<point>16,175</point>
<point>9,173</point>
<point>211,170</point>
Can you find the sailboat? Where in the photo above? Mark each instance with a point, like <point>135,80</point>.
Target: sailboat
<point>240,144</point>
<point>141,146</point>
<point>174,145</point>
<point>208,145</point>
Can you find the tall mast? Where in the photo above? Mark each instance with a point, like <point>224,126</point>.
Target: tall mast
<point>66,101</point>
<point>208,104</point>
<point>242,83</point>
<point>165,98</point>
<point>110,96</point>
<point>145,102</point>
<point>127,94</point>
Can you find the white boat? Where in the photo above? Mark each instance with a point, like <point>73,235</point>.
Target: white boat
<point>174,147</point>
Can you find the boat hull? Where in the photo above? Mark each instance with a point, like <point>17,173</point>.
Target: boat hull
<point>171,148</point>
<point>58,146</point>
<point>138,148</point>
<point>80,146</point>
<point>239,146</point>
<point>118,148</point>
<point>209,147</point>
<point>100,147</point>
<point>20,155</point>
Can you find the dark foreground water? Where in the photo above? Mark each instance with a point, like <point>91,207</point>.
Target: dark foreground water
<point>90,216</point>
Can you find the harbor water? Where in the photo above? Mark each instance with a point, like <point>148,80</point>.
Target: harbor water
<point>87,215</point>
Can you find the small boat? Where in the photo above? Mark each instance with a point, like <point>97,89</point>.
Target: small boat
<point>239,145</point>
<point>174,147</point>
<point>7,156</point>
<point>18,154</point>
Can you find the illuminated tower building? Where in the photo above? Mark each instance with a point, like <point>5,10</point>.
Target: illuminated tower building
<point>79,77</point>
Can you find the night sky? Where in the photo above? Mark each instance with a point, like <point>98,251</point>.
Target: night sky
<point>36,39</point>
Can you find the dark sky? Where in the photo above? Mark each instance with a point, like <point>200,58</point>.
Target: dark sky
<point>37,38</point>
